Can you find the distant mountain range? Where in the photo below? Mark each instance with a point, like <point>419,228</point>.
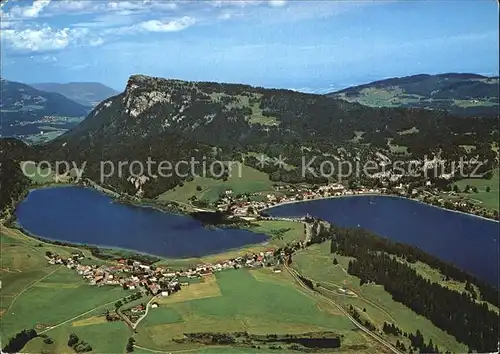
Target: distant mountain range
<point>460,94</point>
<point>21,102</point>
<point>85,93</point>
<point>47,109</point>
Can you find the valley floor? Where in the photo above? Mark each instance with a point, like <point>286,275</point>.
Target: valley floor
<point>56,301</point>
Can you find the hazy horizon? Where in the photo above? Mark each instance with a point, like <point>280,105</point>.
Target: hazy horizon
<point>321,90</point>
<point>313,46</point>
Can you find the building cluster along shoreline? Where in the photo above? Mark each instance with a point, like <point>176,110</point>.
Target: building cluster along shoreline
<point>242,206</point>
<point>132,274</point>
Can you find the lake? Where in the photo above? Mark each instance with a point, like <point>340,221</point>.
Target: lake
<point>85,216</point>
<point>471,243</point>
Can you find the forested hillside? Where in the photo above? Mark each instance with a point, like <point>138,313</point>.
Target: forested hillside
<point>176,120</point>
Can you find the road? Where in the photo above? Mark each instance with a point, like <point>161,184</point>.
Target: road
<point>388,345</point>
<point>279,218</point>
<point>148,305</point>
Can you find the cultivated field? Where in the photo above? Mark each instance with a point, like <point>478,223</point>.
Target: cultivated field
<point>316,263</point>
<point>37,295</point>
<point>257,301</point>
<point>207,287</point>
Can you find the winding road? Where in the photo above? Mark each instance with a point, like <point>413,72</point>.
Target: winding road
<point>148,305</point>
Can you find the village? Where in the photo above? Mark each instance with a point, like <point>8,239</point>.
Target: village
<point>156,281</point>
<point>243,205</point>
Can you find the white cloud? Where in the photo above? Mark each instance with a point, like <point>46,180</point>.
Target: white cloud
<point>38,40</point>
<point>80,7</point>
<point>93,22</point>
<point>30,11</point>
<point>169,26</point>
<point>71,6</point>
<point>47,38</point>
<point>277,3</point>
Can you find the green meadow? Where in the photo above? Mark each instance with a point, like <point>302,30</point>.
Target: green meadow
<point>104,337</point>
<point>486,199</point>
<point>257,301</point>
<point>316,263</point>
<point>37,295</point>
<point>280,232</point>
<point>242,180</point>
<point>57,298</point>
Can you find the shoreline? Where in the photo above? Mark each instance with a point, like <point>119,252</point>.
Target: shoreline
<point>110,253</point>
<point>383,195</point>
<point>106,250</point>
<point>139,203</point>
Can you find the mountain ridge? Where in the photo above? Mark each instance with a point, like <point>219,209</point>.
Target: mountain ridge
<point>86,93</point>
<point>172,119</point>
<point>463,94</point>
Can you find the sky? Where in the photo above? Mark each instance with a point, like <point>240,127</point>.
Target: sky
<point>311,46</point>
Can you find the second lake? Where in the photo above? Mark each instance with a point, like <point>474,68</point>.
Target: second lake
<point>469,242</point>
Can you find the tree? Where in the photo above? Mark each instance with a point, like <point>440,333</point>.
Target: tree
<point>456,189</point>
<point>198,188</point>
<point>73,340</point>
<point>48,340</point>
<point>488,189</point>
<point>17,342</point>
<point>130,345</point>
<point>474,189</point>
<point>335,262</point>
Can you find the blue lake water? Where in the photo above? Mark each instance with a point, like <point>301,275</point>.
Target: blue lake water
<point>469,242</point>
<point>85,216</point>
